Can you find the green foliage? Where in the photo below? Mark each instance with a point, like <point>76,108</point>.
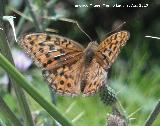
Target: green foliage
<point>135,75</point>
<point>22,82</point>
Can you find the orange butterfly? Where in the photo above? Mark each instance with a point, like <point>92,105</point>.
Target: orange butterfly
<point>67,66</point>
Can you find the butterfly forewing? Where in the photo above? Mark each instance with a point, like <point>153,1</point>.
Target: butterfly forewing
<point>50,51</point>
<point>59,57</point>
<point>109,49</point>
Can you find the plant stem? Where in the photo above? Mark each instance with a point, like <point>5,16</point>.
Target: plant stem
<point>5,49</point>
<point>153,115</point>
<point>36,22</point>
<point>8,114</point>
<point>21,81</point>
<point>21,22</point>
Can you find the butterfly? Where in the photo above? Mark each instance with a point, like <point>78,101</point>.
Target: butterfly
<point>68,67</point>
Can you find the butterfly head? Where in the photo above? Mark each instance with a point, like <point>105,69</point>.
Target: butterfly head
<point>93,45</point>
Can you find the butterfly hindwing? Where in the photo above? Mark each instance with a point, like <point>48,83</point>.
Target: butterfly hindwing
<point>65,80</point>
<point>93,78</point>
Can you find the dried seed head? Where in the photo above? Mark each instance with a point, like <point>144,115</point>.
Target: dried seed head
<point>115,120</point>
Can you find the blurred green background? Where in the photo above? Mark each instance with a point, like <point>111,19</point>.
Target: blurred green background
<point>135,75</point>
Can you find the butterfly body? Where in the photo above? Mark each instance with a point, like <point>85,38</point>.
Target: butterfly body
<point>67,66</point>
<point>89,53</point>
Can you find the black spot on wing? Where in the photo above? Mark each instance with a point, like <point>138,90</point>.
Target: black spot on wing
<point>41,50</point>
<point>45,64</point>
<point>57,42</point>
<point>49,61</point>
<point>48,38</point>
<point>61,51</point>
<point>51,47</point>
<point>31,42</point>
<point>61,82</point>
<point>29,38</point>
<point>42,44</point>
<point>47,55</point>
<point>68,85</point>
<point>64,41</point>
<point>57,57</point>
<point>62,73</point>
<point>104,56</point>
<point>109,54</point>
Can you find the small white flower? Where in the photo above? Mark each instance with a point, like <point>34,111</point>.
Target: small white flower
<point>21,60</point>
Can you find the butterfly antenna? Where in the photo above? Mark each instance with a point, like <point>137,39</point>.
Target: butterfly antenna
<point>75,22</point>
<point>117,28</point>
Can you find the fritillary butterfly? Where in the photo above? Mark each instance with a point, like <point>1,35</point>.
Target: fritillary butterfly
<point>68,67</point>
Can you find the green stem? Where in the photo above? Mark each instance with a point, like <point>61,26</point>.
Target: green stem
<point>8,114</point>
<point>153,115</point>
<point>21,81</point>
<point>5,50</point>
<point>21,22</point>
<point>36,22</point>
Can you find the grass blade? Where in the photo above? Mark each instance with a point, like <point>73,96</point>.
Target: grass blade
<point>8,114</point>
<point>5,49</point>
<point>22,82</point>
